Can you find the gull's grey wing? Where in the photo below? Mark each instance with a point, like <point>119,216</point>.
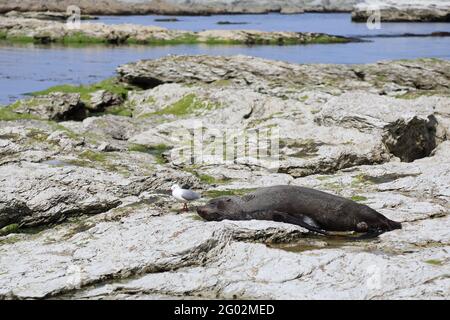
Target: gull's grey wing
<point>190,195</point>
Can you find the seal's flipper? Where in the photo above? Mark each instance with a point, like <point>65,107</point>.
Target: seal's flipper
<point>370,234</point>
<point>301,221</point>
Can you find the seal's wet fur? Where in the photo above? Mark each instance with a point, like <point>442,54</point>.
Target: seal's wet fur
<point>312,209</point>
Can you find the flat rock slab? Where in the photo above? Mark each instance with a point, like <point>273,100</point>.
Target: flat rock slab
<point>284,79</point>
<point>48,15</point>
<point>35,194</point>
<point>136,244</point>
<point>177,255</point>
<point>50,31</point>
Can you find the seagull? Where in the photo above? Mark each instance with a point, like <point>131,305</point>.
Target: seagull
<point>184,195</point>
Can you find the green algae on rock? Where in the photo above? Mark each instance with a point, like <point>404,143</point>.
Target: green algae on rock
<point>38,31</point>
<point>85,91</point>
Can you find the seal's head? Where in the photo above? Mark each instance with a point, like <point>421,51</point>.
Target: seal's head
<point>371,220</point>
<point>220,208</point>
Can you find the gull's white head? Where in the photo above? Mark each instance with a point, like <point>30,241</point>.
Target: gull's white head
<point>175,187</point>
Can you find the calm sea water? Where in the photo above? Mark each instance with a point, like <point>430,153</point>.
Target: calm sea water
<point>28,68</point>
<point>333,23</point>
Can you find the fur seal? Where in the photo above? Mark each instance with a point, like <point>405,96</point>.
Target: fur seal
<point>314,210</point>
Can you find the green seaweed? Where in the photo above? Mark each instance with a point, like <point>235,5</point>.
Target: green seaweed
<point>150,100</point>
<point>8,114</point>
<point>335,186</point>
<point>85,91</point>
<point>196,217</point>
<point>416,94</point>
<point>37,135</point>
<point>11,228</point>
<point>324,38</point>
<point>79,38</point>
<point>76,163</point>
<point>71,39</point>
<point>435,262</point>
<point>186,105</point>
<point>304,98</point>
<point>205,178</point>
<point>138,148</point>
<point>95,159</point>
<point>184,39</point>
<point>258,40</point>
<point>219,41</point>
<point>16,39</point>
<point>157,151</point>
<point>93,156</point>
<point>122,110</point>
<point>222,83</point>
<point>360,180</point>
<point>58,127</point>
<point>10,240</point>
<point>358,198</point>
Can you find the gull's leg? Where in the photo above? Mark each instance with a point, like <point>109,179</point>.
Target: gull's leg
<point>185,208</point>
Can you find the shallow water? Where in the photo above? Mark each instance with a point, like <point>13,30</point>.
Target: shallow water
<point>345,241</point>
<point>26,68</point>
<point>333,23</point>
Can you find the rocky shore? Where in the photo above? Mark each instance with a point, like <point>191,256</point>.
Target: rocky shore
<point>404,10</point>
<point>395,11</point>
<point>47,15</point>
<point>180,7</point>
<point>40,31</point>
<point>85,173</point>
